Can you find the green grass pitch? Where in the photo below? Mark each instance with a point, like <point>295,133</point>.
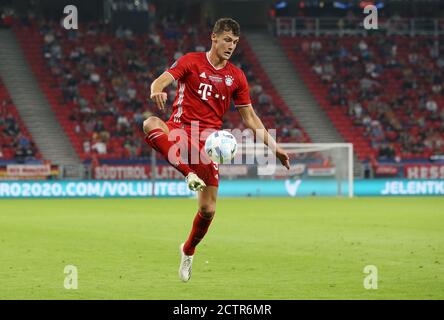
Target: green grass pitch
<point>268,248</point>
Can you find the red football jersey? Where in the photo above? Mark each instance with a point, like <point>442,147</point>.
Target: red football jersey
<point>204,93</point>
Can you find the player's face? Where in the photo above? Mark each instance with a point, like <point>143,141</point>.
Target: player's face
<point>224,43</point>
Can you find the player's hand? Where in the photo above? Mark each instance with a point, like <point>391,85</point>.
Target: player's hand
<point>283,157</point>
<point>159,99</point>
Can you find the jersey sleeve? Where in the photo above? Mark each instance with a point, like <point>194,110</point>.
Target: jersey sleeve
<point>241,96</point>
<point>180,68</point>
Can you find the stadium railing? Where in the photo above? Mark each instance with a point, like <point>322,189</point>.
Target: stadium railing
<point>294,26</point>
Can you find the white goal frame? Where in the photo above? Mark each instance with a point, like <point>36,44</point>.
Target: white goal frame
<point>315,147</point>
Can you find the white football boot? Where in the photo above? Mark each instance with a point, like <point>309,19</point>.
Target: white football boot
<point>194,182</point>
<point>186,263</point>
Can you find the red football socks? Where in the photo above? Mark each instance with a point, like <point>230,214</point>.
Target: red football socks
<point>200,228</point>
<point>159,141</point>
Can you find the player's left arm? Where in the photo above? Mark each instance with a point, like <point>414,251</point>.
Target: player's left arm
<point>253,122</point>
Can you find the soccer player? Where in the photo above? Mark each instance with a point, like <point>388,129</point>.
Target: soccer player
<point>206,83</point>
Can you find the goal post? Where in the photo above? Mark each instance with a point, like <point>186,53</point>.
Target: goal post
<point>321,168</point>
<point>339,156</point>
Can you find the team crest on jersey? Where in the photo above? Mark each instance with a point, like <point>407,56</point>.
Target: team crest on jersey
<point>229,80</point>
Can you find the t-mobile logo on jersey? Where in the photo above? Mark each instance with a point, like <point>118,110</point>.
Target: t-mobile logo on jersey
<point>206,91</point>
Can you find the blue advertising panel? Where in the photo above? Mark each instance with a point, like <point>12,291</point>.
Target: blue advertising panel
<point>228,188</point>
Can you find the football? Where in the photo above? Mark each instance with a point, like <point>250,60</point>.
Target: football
<point>221,146</point>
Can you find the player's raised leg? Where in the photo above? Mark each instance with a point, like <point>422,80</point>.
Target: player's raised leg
<point>201,223</point>
<point>156,132</point>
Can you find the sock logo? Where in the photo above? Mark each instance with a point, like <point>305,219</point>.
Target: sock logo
<point>292,188</point>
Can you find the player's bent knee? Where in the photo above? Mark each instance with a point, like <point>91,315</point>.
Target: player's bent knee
<point>207,212</point>
<point>150,124</point>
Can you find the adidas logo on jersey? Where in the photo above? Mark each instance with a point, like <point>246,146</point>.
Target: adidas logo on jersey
<point>203,75</point>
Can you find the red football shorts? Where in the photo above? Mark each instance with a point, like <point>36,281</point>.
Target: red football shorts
<point>208,170</point>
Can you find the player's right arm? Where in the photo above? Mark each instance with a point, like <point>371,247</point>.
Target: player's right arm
<point>252,121</point>
<point>178,71</point>
<point>157,95</point>
<point>243,103</point>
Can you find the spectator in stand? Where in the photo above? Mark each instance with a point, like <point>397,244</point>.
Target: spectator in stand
<point>357,110</point>
<point>255,88</point>
<point>296,133</point>
<point>86,146</point>
<point>367,84</point>
<point>386,152</point>
<point>19,155</point>
<point>31,151</point>
<point>99,147</point>
<point>12,128</point>
<point>22,141</point>
<point>122,120</point>
<point>317,68</point>
<point>131,92</point>
<point>316,46</point>
<point>95,78</point>
<point>154,37</point>
<point>327,71</point>
<point>89,123</point>
<point>131,148</point>
<point>432,106</point>
<point>178,54</point>
<point>284,132</point>
<point>84,106</point>
<point>437,87</point>
<point>138,118</point>
<point>377,134</point>
<point>363,47</point>
<point>200,48</point>
<point>264,98</point>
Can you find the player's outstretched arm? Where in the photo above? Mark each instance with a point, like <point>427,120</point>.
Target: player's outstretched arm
<point>252,121</point>
<point>157,95</point>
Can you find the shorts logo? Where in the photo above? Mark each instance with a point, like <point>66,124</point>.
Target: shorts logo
<point>229,80</point>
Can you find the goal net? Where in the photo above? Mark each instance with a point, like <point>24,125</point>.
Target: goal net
<point>317,169</point>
